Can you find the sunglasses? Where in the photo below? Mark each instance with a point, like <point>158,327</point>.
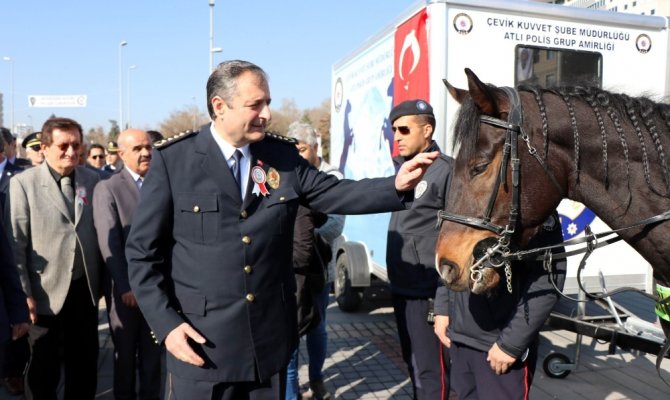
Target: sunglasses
<point>64,146</point>
<point>35,147</point>
<point>97,156</point>
<point>402,129</point>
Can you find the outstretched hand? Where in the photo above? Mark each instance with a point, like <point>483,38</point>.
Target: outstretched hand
<point>177,343</point>
<point>411,172</point>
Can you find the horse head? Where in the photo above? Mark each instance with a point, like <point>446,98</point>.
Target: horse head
<point>486,214</point>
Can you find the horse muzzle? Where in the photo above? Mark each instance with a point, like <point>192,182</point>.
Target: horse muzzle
<point>451,274</point>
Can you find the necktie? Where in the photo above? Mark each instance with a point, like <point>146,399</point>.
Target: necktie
<point>68,193</point>
<point>140,180</point>
<point>235,168</point>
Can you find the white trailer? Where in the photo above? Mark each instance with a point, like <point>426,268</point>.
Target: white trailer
<point>505,42</point>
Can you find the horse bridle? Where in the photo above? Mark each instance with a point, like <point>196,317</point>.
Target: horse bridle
<point>494,253</point>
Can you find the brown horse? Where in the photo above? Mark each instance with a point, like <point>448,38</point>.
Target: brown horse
<point>521,151</point>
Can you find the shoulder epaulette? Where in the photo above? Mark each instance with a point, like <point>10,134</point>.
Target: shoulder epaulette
<point>173,139</point>
<point>280,138</point>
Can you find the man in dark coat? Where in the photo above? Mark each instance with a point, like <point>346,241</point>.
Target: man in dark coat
<point>410,252</point>
<point>114,203</point>
<point>14,319</point>
<point>210,248</point>
<point>493,339</point>
<point>16,352</point>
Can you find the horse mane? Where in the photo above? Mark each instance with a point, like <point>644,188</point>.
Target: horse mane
<point>466,129</point>
<point>647,118</point>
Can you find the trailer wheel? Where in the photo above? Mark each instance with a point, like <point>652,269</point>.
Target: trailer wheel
<point>552,365</point>
<point>348,298</point>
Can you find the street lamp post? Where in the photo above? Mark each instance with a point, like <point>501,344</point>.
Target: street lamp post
<point>211,52</point>
<point>11,89</point>
<point>121,46</point>
<point>195,110</point>
<point>130,69</point>
<point>211,36</point>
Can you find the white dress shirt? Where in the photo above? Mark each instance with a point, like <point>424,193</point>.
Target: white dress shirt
<point>245,162</point>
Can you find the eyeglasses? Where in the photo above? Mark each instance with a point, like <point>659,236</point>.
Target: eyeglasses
<point>64,146</point>
<point>403,129</point>
<point>35,147</point>
<point>97,156</point>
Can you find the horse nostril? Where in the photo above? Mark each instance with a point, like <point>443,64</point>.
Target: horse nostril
<point>448,270</point>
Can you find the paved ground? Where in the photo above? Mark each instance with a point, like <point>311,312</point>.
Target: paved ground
<point>364,361</point>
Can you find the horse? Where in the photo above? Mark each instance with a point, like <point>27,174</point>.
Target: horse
<point>519,152</point>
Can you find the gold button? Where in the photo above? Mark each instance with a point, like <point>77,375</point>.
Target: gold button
<point>250,297</point>
<point>246,240</point>
<point>282,198</point>
<point>243,214</point>
<point>248,269</point>
<point>196,209</point>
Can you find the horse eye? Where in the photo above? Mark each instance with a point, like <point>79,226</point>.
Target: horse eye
<point>479,168</point>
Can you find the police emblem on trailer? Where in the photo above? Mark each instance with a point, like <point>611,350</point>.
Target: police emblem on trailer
<point>463,23</point>
<point>643,43</point>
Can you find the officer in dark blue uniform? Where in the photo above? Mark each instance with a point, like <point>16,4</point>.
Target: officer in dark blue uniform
<point>210,248</point>
<point>493,340</point>
<point>410,252</point>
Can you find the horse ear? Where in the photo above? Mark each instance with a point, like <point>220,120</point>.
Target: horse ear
<point>482,95</point>
<point>456,93</point>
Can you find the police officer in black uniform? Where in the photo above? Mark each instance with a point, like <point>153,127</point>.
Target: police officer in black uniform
<point>493,339</point>
<point>410,252</point>
<point>210,248</point>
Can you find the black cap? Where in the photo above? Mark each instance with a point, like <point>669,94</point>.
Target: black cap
<point>411,107</point>
<point>34,138</point>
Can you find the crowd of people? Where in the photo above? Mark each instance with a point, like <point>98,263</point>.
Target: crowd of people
<point>214,252</point>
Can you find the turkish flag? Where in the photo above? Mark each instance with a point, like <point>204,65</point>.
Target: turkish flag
<point>410,63</point>
<point>410,80</point>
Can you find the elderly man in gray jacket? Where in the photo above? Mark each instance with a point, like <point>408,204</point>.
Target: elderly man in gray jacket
<point>56,251</point>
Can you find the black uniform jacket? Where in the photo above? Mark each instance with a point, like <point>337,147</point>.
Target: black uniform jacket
<point>197,253</point>
<point>410,244</point>
<point>512,320</point>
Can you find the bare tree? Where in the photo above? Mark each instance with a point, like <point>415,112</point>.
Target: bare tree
<point>319,118</point>
<point>97,135</point>
<point>113,130</point>
<point>188,118</point>
<point>283,116</point>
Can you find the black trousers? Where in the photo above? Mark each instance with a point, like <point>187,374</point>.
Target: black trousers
<point>135,353</point>
<point>177,388</point>
<point>71,339</point>
<point>473,378</point>
<point>426,358</point>
<point>15,357</point>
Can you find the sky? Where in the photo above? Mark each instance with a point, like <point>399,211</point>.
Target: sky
<point>71,47</point>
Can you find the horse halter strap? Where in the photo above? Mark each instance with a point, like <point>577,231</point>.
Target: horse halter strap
<point>510,154</point>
